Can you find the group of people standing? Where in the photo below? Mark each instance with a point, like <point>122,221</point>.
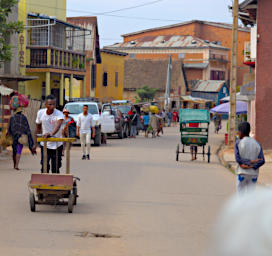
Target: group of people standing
<point>50,122</point>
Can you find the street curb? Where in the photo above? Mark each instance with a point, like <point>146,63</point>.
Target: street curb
<point>222,161</point>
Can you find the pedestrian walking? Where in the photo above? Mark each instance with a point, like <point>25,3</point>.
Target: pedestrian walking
<point>85,130</point>
<point>49,122</point>
<point>169,117</point>
<point>160,125</point>
<point>193,148</point>
<point>249,157</point>
<point>146,119</point>
<point>217,122</point>
<point>20,132</point>
<point>175,117</point>
<point>153,123</point>
<point>163,115</point>
<point>134,121</point>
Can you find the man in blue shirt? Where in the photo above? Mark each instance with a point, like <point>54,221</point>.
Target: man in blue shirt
<point>249,157</point>
<point>169,117</point>
<point>146,119</point>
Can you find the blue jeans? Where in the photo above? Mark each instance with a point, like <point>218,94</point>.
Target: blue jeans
<point>133,130</point>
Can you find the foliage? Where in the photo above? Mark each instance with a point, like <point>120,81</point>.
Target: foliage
<point>146,93</point>
<point>7,29</point>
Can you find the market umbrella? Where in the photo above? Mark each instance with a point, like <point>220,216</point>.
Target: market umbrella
<point>241,108</point>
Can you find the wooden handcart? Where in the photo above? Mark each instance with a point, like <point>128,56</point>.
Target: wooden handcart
<point>54,189</point>
<point>194,135</point>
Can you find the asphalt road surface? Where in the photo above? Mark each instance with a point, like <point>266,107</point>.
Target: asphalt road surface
<point>133,191</point>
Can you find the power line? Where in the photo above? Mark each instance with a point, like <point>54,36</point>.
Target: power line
<point>109,15</point>
<point>132,7</point>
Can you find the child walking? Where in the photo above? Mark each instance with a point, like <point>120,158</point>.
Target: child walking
<point>249,157</point>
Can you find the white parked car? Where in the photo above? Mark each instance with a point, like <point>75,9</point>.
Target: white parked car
<point>104,123</point>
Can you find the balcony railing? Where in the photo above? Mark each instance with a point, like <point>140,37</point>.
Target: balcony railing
<point>49,57</point>
<point>219,58</point>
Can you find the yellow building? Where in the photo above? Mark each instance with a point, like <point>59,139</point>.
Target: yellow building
<point>51,49</point>
<point>110,76</point>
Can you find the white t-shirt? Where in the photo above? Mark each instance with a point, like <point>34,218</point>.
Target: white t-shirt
<point>249,149</point>
<point>48,123</point>
<point>85,123</point>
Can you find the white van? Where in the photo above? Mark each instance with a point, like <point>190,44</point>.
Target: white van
<point>104,123</point>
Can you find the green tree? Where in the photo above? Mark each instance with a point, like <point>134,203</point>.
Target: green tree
<point>7,29</point>
<point>146,93</point>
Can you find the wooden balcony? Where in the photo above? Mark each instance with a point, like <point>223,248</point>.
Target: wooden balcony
<point>55,58</point>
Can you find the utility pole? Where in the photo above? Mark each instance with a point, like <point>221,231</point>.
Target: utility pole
<point>168,85</point>
<point>233,74</point>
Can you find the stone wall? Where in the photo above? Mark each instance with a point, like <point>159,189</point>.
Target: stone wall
<point>153,73</point>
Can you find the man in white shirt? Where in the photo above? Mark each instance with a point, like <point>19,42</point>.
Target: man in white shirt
<point>84,125</point>
<point>49,121</point>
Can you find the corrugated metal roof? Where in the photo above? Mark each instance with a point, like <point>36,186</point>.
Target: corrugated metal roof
<point>196,65</point>
<point>215,24</point>
<point>208,86</point>
<point>168,41</point>
<point>114,52</point>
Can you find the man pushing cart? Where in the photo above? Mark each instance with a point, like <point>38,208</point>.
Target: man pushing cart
<point>55,188</point>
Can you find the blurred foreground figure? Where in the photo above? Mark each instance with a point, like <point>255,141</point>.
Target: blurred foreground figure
<point>245,226</point>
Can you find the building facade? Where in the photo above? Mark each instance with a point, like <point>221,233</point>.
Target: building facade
<point>110,76</point>
<point>153,73</point>
<point>257,13</point>
<point>203,60</point>
<point>211,90</point>
<point>209,31</point>
<point>92,50</point>
<point>50,49</point>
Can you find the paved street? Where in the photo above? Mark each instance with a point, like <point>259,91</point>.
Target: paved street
<point>132,189</point>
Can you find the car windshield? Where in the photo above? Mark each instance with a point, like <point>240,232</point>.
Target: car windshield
<point>124,109</point>
<point>77,108</point>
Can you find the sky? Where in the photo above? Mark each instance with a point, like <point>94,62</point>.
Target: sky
<point>158,13</point>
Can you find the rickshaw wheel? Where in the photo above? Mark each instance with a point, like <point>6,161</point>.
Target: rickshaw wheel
<point>209,153</point>
<point>177,153</point>
<point>71,203</point>
<point>32,202</point>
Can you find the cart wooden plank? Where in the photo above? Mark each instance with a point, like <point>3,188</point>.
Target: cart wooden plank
<point>51,181</point>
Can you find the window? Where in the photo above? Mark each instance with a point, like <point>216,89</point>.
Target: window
<point>217,75</point>
<point>38,57</point>
<point>93,85</point>
<point>132,55</point>
<point>116,79</point>
<point>181,55</point>
<point>105,79</point>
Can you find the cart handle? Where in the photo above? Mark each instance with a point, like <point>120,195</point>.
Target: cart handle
<point>70,140</point>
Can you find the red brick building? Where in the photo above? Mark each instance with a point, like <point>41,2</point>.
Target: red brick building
<point>203,60</point>
<point>254,12</point>
<point>211,31</point>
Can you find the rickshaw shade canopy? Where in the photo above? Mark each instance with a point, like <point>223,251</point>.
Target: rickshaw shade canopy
<point>241,108</point>
<point>194,116</point>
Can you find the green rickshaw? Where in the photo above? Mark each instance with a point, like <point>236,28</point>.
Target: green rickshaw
<point>194,130</point>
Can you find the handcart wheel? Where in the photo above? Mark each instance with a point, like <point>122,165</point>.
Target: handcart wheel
<point>75,192</point>
<point>209,153</point>
<point>71,203</point>
<point>177,153</point>
<point>32,202</point>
